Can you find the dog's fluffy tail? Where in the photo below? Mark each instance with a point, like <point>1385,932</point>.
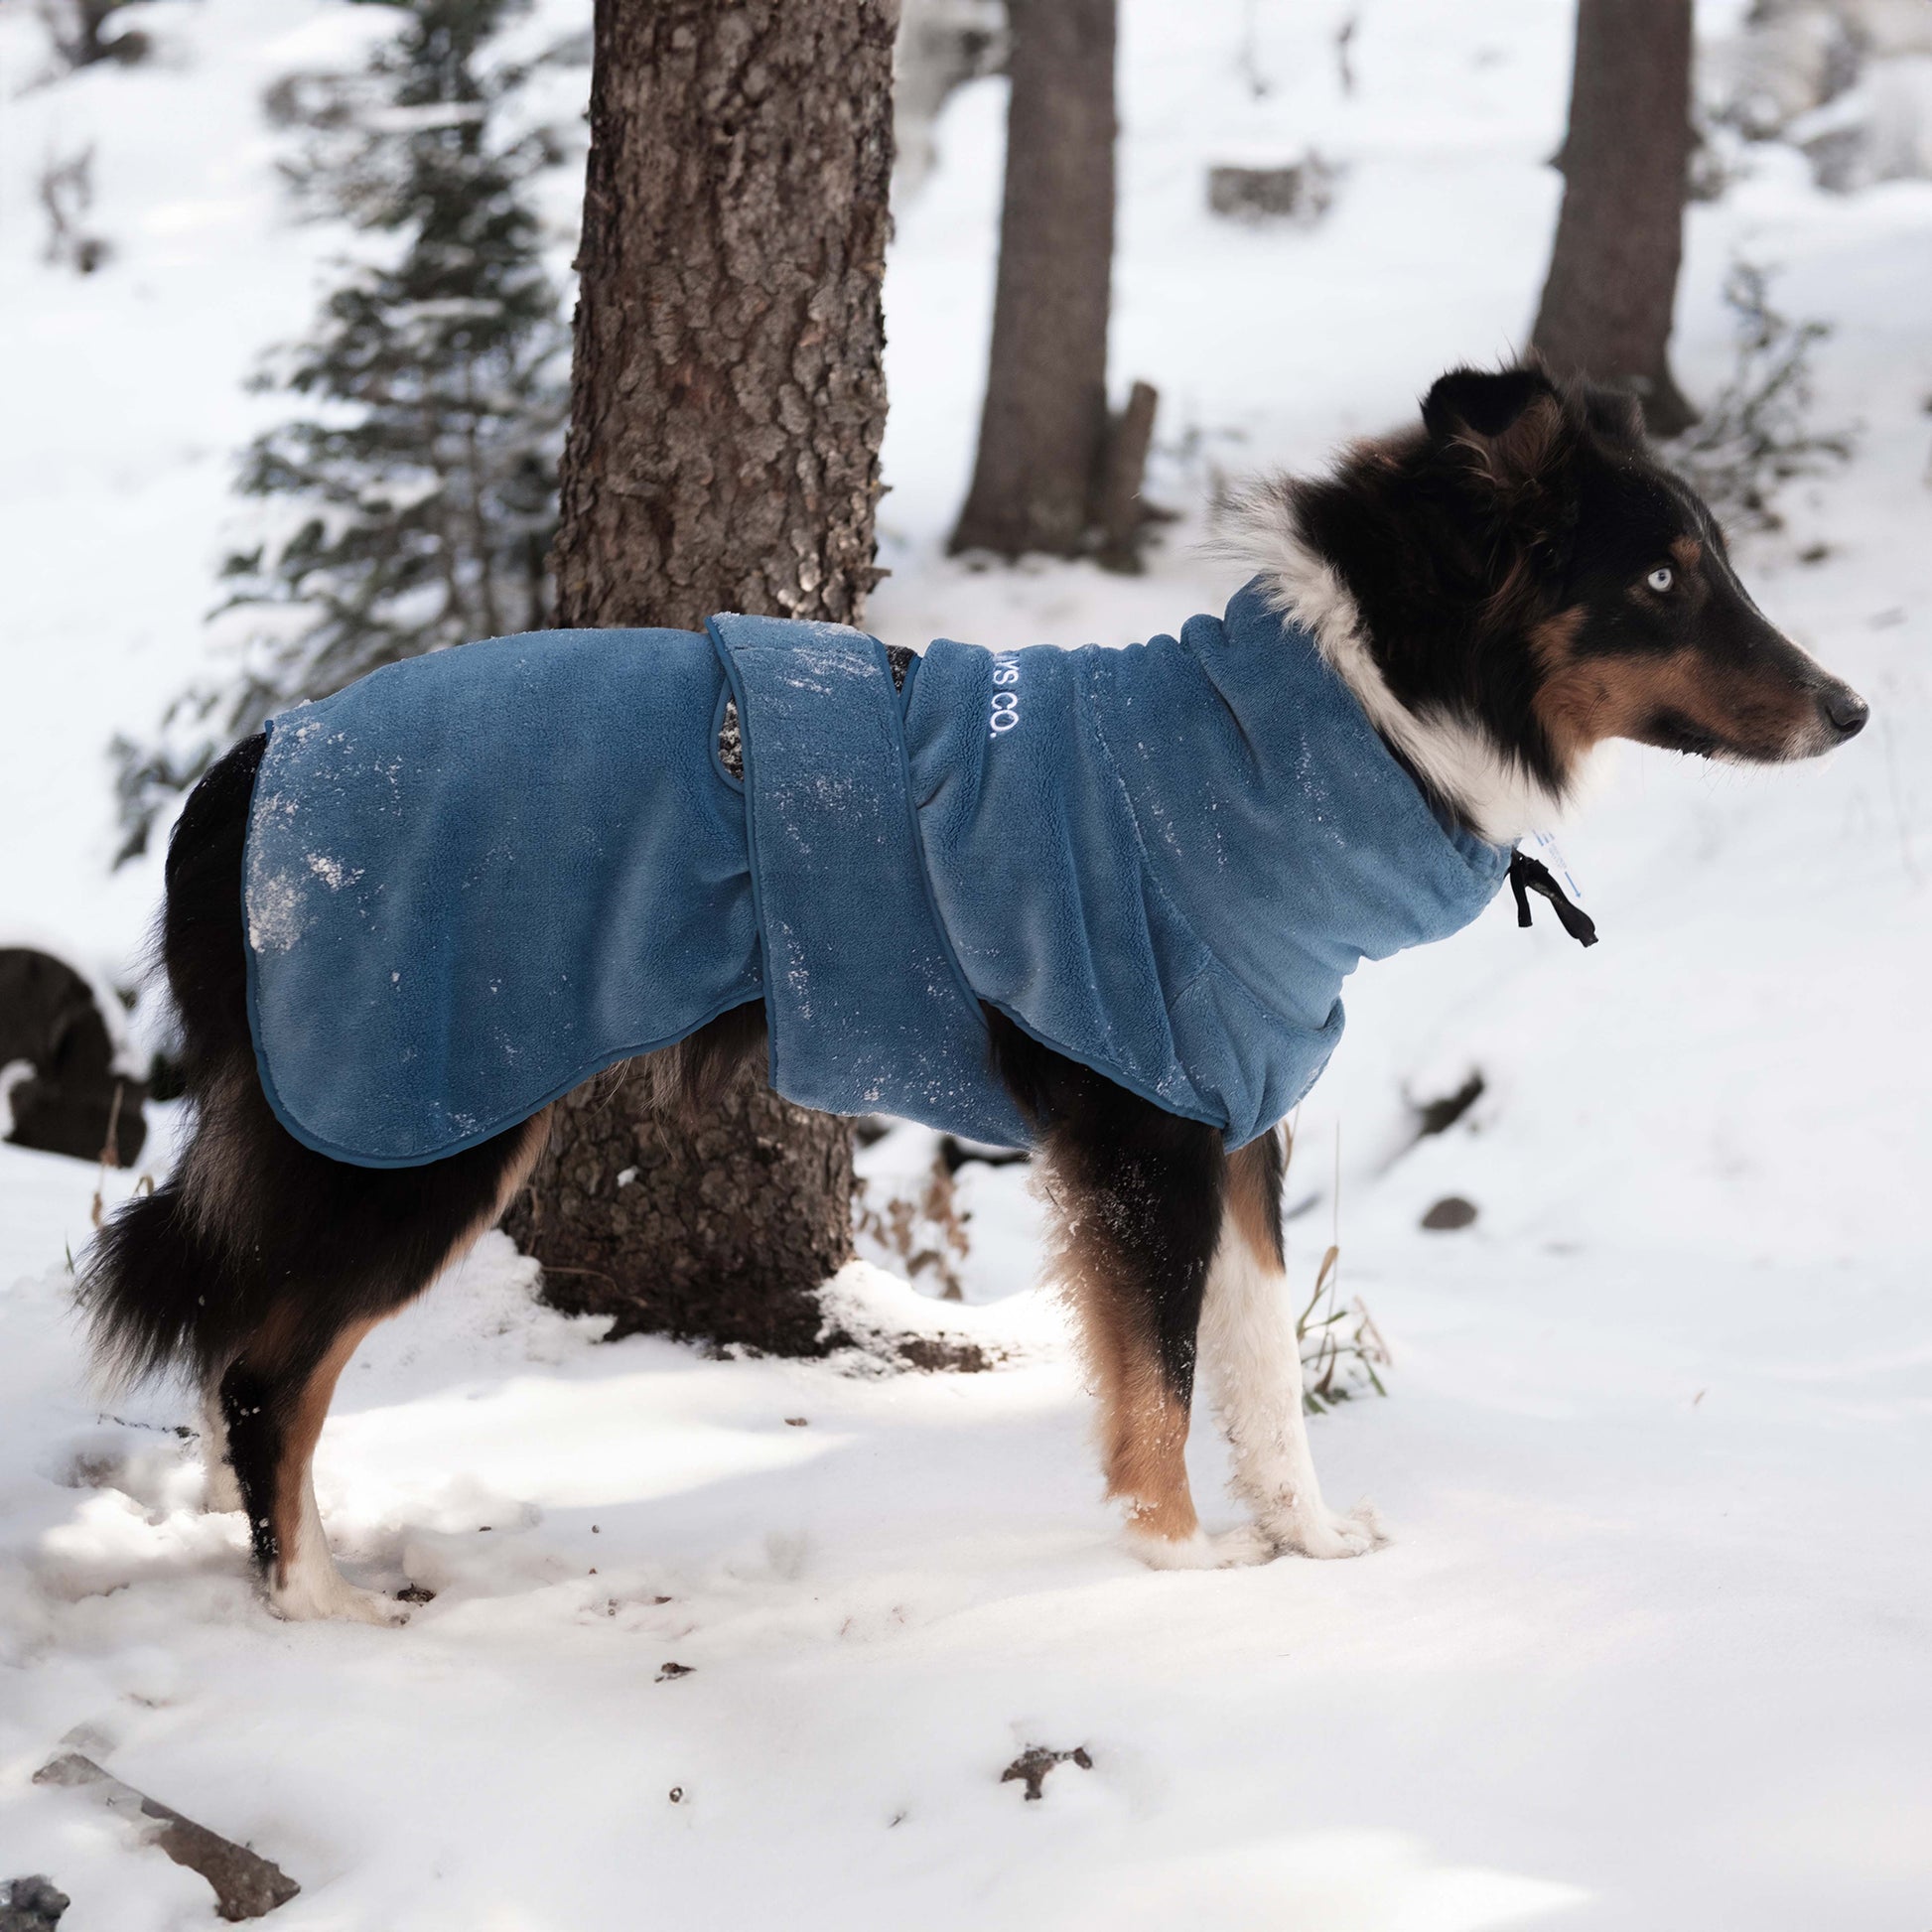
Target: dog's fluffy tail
<point>153,1288</point>
<point>160,1287</point>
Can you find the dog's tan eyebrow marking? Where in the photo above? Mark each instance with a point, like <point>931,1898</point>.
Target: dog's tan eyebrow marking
<point>1688,551</point>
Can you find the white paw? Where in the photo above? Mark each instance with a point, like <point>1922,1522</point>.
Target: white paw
<point>307,1598</point>
<point>1231,1550</point>
<point>1325,1532</point>
<point>1169,1552</point>
<point>1239,1549</point>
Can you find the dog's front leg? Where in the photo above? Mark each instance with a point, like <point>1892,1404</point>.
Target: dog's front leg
<point>1138,1198</point>
<point>1252,1357</point>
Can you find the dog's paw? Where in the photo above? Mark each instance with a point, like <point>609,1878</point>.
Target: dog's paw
<point>310,1598</point>
<point>1242,1548</point>
<point>1231,1550</point>
<point>1327,1531</point>
<point>1194,1552</point>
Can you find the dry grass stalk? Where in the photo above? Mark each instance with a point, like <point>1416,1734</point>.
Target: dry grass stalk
<point>1342,1347</point>
<point>926,1236</point>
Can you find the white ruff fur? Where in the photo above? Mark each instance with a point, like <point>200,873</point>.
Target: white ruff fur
<point>1489,790</point>
<point>1252,1359</point>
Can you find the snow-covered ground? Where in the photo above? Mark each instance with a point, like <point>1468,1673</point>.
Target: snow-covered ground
<point>1652,1646</point>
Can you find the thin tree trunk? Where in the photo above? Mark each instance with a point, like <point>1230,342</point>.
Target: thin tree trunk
<point>1045,421</point>
<point>1606,306</point>
<point>728,399</point>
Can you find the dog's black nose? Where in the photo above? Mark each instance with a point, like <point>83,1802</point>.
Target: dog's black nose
<point>1847,710</point>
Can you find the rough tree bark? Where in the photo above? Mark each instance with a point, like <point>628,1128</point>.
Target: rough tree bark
<point>1606,306</point>
<point>1045,422</point>
<point>728,399</point>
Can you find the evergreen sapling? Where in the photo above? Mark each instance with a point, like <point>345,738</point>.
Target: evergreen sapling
<point>410,505</point>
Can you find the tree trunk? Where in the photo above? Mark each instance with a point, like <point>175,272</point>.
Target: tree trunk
<point>1606,306</point>
<point>728,399</point>
<point>1045,421</point>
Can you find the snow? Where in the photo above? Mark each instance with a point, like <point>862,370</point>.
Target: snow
<point>1650,1647</point>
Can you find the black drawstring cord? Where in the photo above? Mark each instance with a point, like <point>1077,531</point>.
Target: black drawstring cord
<point>1527,876</point>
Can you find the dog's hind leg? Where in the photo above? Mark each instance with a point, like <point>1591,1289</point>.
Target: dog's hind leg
<point>1137,1194</point>
<point>1252,1358</point>
<point>274,1399</point>
<point>276,1391</point>
<point>221,1491</point>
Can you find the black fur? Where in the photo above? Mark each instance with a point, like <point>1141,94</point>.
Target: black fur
<point>256,1411</point>
<point>1140,1190</point>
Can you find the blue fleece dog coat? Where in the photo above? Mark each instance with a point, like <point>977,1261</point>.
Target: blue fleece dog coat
<point>475,878</point>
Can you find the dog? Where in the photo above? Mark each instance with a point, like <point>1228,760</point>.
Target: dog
<point>1498,590</point>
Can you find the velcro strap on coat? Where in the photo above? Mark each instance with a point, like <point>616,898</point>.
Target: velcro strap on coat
<point>868,1006</point>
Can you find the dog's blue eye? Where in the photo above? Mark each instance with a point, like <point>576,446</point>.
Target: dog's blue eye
<point>1661,579</point>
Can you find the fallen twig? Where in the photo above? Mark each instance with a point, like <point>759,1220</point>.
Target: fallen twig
<point>246,1885</point>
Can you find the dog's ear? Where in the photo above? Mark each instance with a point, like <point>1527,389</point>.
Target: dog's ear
<point>1483,404</point>
<point>1507,438</point>
<point>1508,429</point>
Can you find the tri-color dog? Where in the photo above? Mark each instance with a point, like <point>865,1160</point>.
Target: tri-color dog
<point>1439,634</point>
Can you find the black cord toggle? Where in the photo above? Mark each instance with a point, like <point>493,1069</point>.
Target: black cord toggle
<point>1527,876</point>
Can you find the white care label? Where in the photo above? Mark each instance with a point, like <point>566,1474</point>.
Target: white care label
<point>1541,847</point>
<point>1005,701</point>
